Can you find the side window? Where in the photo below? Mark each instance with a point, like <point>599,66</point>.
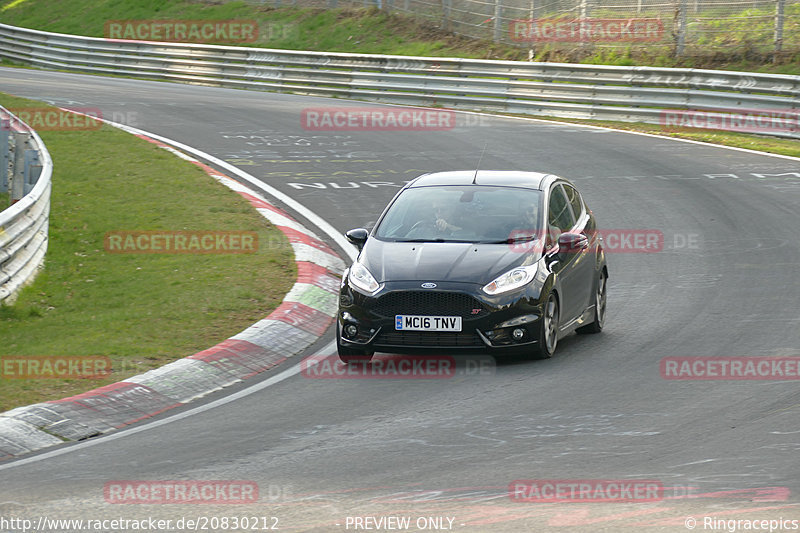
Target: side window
<point>574,200</point>
<point>559,217</point>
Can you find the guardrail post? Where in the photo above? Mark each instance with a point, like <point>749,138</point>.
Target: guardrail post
<point>778,29</point>
<point>585,9</point>
<point>5,135</point>
<point>21,143</point>
<point>446,14</point>
<point>498,13</point>
<point>33,169</point>
<point>532,17</point>
<point>680,24</point>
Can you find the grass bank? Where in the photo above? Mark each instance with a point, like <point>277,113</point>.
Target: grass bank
<point>140,310</point>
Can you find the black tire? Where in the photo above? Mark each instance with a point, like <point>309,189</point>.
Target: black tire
<point>600,303</point>
<point>351,355</point>
<point>548,329</point>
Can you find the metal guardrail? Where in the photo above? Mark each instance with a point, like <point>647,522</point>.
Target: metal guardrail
<point>26,171</point>
<point>639,94</point>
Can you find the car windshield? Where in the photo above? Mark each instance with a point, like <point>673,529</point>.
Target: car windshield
<point>463,213</point>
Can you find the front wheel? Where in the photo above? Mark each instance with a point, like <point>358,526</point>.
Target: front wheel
<point>548,330</point>
<point>600,298</point>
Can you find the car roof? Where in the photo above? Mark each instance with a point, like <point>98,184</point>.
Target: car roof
<point>497,178</point>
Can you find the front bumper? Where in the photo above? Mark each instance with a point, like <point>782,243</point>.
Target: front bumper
<point>488,322</point>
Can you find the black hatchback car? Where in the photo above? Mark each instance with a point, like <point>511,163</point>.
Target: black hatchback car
<point>497,261</point>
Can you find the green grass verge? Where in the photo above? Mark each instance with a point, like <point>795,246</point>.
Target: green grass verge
<point>342,30</point>
<point>140,310</point>
<point>723,42</point>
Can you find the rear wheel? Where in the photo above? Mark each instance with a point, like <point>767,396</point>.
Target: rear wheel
<point>351,355</point>
<point>600,298</point>
<point>548,329</point>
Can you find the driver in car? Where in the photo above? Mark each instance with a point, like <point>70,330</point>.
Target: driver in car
<point>442,213</point>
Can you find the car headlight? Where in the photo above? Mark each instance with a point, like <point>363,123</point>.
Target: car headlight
<point>516,278</point>
<point>361,278</point>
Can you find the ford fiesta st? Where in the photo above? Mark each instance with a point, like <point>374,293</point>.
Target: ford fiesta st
<point>498,261</point>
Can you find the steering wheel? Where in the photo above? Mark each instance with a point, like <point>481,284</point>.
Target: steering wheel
<point>421,224</point>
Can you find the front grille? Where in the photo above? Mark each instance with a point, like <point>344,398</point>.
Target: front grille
<point>436,303</point>
<point>442,339</point>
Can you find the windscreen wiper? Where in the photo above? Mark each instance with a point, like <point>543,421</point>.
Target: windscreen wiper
<point>513,240</point>
<point>439,239</point>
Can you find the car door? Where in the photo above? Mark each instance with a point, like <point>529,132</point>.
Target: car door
<point>560,219</point>
<point>584,265</point>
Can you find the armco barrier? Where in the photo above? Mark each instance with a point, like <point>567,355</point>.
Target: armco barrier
<point>25,171</point>
<point>632,94</point>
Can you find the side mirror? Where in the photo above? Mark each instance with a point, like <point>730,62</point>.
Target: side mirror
<point>572,243</point>
<point>358,237</point>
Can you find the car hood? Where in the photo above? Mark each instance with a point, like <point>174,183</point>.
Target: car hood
<point>440,261</point>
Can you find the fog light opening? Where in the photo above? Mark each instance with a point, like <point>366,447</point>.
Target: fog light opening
<point>518,334</point>
<point>350,331</point>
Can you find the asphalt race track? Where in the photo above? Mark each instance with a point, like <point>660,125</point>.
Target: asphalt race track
<point>323,451</point>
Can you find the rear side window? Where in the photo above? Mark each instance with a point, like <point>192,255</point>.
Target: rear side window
<point>574,200</point>
<point>559,214</point>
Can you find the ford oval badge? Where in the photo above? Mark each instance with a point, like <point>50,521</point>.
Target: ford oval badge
<point>428,285</point>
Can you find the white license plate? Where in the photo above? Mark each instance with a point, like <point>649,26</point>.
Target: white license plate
<point>427,323</point>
